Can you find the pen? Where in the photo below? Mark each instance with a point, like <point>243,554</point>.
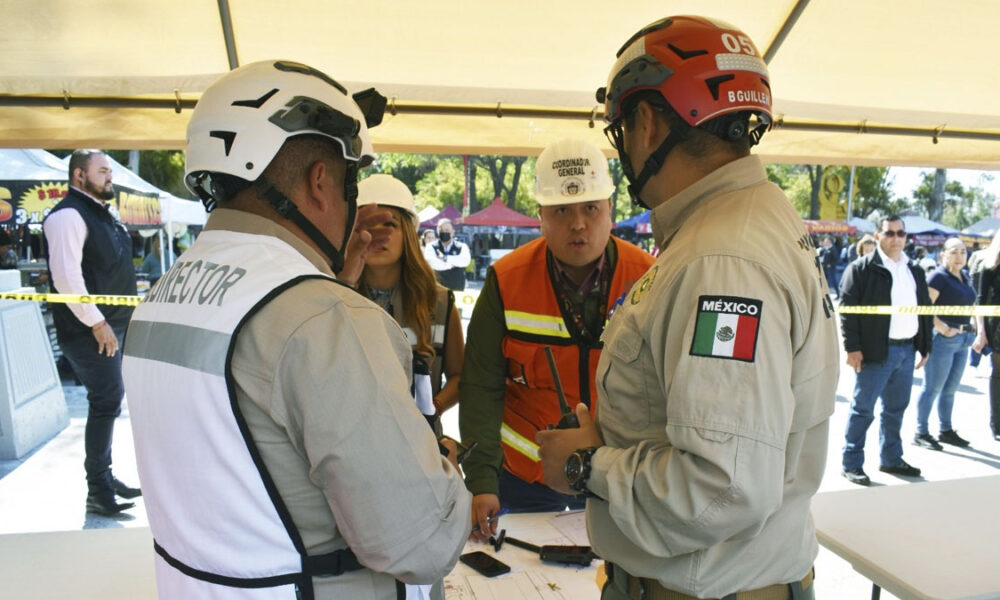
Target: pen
<point>494,518</point>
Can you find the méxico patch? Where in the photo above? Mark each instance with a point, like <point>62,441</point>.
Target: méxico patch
<point>727,327</point>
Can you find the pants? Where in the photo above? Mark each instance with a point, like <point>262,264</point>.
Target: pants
<point>995,393</point>
<point>617,588</point>
<point>102,376</point>
<point>518,495</point>
<point>942,375</point>
<point>892,381</point>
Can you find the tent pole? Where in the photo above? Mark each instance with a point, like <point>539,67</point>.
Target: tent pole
<point>850,196</point>
<point>227,32</point>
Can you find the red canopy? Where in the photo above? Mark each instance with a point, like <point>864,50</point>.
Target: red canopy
<point>497,214</point>
<point>449,212</point>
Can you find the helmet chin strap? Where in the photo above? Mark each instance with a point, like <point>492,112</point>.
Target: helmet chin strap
<point>287,209</point>
<point>652,166</point>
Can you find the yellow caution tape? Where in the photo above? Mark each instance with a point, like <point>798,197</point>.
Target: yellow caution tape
<point>74,298</point>
<point>978,311</point>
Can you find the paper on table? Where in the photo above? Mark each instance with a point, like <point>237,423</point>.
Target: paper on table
<point>521,585</point>
<point>573,525</point>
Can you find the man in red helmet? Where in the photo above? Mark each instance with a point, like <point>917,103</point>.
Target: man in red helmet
<point>720,366</point>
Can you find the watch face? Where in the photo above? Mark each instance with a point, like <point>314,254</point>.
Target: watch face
<point>574,467</point>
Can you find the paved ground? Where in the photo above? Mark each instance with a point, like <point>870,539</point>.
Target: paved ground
<point>46,490</point>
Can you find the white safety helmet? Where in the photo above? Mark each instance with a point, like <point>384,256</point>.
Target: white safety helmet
<point>386,190</point>
<point>244,117</point>
<point>570,171</point>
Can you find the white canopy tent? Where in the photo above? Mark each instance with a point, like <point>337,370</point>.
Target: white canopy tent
<point>900,82</point>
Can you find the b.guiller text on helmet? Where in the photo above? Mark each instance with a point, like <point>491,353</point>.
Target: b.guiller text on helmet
<point>570,166</point>
<point>755,96</point>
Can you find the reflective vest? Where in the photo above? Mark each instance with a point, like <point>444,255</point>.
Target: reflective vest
<point>534,320</point>
<point>220,527</point>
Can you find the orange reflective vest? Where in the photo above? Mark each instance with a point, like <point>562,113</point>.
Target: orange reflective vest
<point>534,320</point>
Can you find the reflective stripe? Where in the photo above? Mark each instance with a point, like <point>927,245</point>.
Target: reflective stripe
<point>518,442</point>
<point>172,343</point>
<point>535,323</point>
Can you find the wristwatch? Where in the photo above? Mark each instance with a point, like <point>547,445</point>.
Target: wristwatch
<point>577,470</point>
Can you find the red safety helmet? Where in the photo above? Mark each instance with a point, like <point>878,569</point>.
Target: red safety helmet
<point>708,71</point>
<point>704,68</point>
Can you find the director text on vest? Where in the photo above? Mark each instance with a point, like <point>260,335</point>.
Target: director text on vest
<point>187,282</point>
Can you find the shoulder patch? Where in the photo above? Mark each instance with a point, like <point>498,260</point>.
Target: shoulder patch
<point>727,327</point>
<point>640,289</point>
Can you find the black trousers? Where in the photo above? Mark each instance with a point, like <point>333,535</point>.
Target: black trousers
<point>520,496</point>
<point>102,376</point>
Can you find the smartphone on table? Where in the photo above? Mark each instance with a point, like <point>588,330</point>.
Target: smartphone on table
<point>484,564</point>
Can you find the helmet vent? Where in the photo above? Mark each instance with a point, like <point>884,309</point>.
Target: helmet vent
<point>258,102</point>
<point>227,137</point>
<point>713,84</point>
<point>686,54</point>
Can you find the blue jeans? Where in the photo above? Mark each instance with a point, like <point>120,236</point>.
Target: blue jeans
<point>892,381</point>
<point>942,374</point>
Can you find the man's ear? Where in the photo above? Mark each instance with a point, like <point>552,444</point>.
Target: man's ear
<point>319,185</point>
<point>649,127</point>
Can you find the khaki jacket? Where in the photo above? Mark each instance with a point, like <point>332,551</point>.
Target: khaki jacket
<point>715,390</point>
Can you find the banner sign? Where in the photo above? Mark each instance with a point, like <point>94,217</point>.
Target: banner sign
<point>29,202</point>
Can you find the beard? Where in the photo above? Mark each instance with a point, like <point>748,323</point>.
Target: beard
<point>107,193</point>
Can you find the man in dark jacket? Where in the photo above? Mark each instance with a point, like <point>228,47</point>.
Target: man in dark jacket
<point>882,349</point>
<point>90,252</point>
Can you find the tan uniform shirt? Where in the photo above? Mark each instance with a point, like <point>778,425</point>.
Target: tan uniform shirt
<point>322,376</point>
<point>711,460</point>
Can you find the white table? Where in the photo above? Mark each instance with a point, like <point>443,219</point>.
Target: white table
<point>117,564</point>
<point>920,541</point>
<point>111,564</point>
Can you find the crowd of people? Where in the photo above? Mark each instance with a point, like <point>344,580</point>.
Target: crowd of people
<point>882,351</point>
<point>287,374</point>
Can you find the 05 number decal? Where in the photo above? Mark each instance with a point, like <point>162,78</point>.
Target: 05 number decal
<point>738,45</point>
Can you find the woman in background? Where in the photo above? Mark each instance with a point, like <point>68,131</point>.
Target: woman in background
<point>948,285</point>
<point>397,277</point>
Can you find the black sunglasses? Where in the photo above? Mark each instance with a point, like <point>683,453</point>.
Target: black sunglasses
<point>891,233</point>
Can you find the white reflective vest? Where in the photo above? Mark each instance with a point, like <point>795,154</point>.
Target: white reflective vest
<point>219,524</point>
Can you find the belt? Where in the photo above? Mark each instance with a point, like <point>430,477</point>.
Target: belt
<point>640,588</point>
<point>906,342</point>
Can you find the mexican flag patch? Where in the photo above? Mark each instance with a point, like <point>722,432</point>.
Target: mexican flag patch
<point>727,327</point>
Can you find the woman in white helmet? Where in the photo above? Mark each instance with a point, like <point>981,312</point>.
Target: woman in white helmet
<point>397,277</point>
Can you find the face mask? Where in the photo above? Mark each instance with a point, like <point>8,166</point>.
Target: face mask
<point>445,237</point>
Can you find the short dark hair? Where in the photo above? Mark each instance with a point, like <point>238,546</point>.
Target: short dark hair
<point>697,142</point>
<point>80,159</point>
<point>890,218</point>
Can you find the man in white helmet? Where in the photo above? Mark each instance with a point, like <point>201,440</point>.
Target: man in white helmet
<point>278,460</point>
<point>555,291</point>
<point>719,370</point>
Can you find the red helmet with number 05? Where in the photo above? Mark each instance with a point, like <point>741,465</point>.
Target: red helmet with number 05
<point>707,71</point>
<point>703,67</point>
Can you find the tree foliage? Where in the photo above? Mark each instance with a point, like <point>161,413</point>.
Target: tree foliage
<point>958,206</point>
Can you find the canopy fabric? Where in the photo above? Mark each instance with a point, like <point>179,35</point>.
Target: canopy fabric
<point>987,227</point>
<point>915,225</point>
<point>639,222</point>
<point>497,214</point>
<point>849,77</point>
<point>862,225</point>
<point>448,212</point>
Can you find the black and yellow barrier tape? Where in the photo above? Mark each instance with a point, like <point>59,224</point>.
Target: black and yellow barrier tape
<point>467,299</point>
<point>74,298</point>
<point>943,310</point>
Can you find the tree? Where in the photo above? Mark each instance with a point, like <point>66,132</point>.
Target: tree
<point>408,168</point>
<point>959,207</point>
